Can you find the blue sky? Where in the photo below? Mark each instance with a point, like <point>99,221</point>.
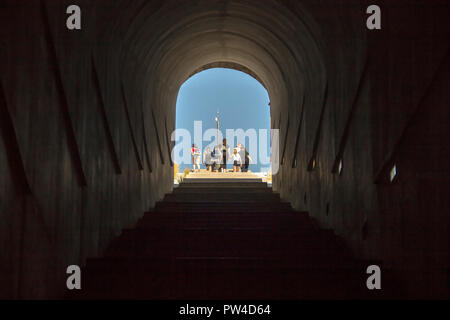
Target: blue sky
<point>241,100</point>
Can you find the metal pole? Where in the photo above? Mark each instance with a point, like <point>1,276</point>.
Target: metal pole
<point>217,120</point>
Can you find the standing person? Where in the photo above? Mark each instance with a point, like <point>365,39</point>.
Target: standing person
<point>236,158</point>
<point>247,160</point>
<point>225,154</point>
<point>195,153</point>
<point>216,158</point>
<point>240,149</point>
<point>207,159</point>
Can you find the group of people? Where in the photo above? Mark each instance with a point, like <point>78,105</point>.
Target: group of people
<point>216,159</point>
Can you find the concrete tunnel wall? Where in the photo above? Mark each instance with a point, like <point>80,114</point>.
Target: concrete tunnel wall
<point>86,118</point>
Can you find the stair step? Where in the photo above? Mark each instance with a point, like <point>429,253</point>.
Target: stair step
<point>231,191</point>
<point>226,185</point>
<point>220,198</point>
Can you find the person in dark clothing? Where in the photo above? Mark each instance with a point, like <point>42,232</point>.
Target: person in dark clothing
<point>225,154</point>
<point>246,160</point>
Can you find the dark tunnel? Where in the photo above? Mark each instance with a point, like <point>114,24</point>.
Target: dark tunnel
<point>86,117</point>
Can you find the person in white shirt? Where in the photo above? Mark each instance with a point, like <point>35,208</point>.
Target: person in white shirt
<point>195,153</point>
<point>236,158</point>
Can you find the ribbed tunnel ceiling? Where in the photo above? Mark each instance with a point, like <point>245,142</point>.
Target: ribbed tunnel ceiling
<point>261,38</point>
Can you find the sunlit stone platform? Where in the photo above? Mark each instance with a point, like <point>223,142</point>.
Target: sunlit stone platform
<point>205,176</point>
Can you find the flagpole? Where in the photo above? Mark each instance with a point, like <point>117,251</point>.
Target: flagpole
<point>217,120</point>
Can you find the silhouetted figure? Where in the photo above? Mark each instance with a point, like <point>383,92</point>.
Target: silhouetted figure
<point>246,160</point>
<point>225,154</point>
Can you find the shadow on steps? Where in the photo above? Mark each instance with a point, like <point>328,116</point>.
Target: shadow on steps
<point>210,241</point>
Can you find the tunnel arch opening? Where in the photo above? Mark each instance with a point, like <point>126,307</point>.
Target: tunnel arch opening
<point>223,101</point>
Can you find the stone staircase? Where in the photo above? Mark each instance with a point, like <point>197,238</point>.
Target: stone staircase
<point>225,240</point>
